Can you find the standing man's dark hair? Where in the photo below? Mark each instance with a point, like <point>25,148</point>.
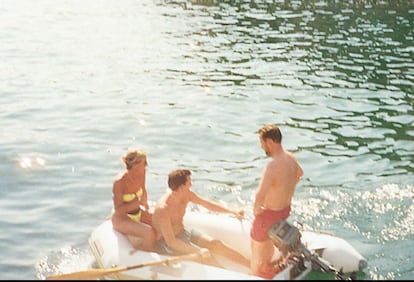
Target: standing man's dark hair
<point>271,131</point>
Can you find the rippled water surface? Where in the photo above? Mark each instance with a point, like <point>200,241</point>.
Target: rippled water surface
<point>191,82</point>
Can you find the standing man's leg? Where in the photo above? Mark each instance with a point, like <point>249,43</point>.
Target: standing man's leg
<point>262,254</point>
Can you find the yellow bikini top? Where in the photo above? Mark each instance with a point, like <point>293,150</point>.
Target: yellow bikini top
<point>131,196</point>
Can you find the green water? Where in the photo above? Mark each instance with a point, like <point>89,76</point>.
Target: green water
<point>191,82</point>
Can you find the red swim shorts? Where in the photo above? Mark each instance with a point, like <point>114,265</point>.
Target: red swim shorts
<point>262,223</point>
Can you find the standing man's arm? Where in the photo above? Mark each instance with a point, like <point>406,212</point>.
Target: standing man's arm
<point>262,190</point>
<point>299,168</point>
<point>300,172</point>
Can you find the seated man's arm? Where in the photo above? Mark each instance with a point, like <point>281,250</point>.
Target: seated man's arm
<point>214,206</point>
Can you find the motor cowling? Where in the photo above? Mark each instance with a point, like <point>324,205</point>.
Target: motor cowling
<point>285,236</point>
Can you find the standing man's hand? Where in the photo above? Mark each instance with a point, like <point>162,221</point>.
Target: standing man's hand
<point>257,210</point>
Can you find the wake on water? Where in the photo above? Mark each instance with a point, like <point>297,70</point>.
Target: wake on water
<point>66,260</point>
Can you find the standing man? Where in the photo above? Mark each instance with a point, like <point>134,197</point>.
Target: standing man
<point>172,236</point>
<point>272,199</point>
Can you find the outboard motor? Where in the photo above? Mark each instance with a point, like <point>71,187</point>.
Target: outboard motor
<point>287,238</point>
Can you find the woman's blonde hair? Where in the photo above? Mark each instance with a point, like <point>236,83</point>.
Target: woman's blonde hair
<point>134,157</point>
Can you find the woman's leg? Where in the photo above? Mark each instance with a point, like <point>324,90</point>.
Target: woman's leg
<point>141,235</point>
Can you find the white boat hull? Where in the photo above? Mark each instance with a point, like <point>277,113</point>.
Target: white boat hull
<point>335,250</point>
<point>112,249</point>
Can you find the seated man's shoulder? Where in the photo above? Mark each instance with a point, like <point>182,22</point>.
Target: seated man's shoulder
<point>162,209</point>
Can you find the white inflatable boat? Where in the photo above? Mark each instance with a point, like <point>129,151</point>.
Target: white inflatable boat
<point>119,260</point>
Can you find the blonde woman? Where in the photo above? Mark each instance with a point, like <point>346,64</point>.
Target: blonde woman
<point>131,214</point>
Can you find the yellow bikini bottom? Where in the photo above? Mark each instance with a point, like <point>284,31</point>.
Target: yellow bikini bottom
<point>135,216</point>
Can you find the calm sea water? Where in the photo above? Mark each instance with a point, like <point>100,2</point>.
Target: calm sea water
<point>190,82</point>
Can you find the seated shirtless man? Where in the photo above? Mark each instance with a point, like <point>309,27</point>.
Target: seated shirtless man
<point>172,237</point>
<point>272,199</point>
